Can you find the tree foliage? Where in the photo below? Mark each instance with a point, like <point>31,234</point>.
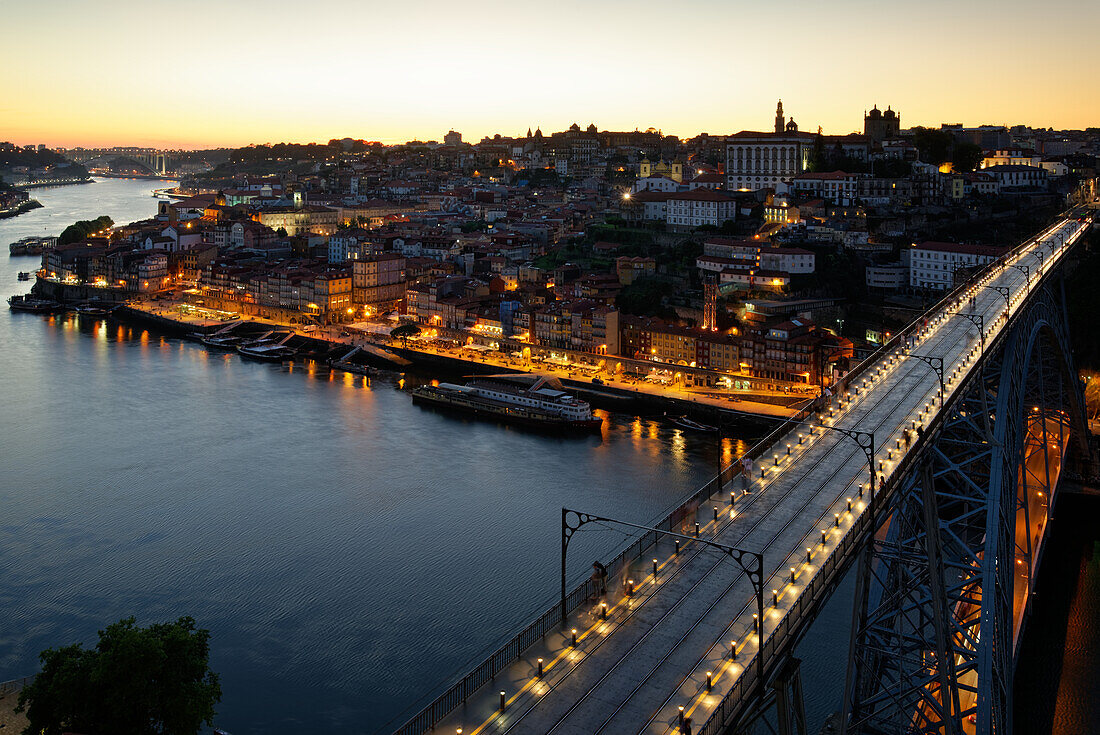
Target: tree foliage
<point>966,157</point>
<point>934,145</point>
<point>404,331</point>
<point>645,297</point>
<point>80,230</point>
<point>136,681</point>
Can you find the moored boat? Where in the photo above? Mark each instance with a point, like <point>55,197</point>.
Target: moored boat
<point>345,363</point>
<point>92,308</point>
<point>543,404</point>
<point>31,303</point>
<point>24,276</point>
<point>271,352</point>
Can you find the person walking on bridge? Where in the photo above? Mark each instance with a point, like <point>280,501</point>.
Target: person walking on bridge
<point>599,579</point>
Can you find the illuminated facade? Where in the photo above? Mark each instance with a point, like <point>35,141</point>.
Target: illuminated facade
<point>757,160</point>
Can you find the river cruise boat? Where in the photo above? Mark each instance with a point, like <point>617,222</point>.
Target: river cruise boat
<point>33,304</point>
<point>32,245</point>
<point>542,404</point>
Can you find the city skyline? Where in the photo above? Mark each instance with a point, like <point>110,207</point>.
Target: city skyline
<point>290,75</point>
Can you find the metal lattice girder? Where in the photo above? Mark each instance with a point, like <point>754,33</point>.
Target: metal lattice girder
<point>933,636</point>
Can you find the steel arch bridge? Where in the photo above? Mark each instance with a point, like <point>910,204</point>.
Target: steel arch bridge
<point>945,583</point>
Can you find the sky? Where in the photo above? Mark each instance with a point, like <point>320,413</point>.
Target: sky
<point>197,73</point>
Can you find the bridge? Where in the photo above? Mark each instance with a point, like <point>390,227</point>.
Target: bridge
<point>931,472</point>
<point>157,161</point>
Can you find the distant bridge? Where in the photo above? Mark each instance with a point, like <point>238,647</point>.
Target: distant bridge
<point>159,162</point>
<point>933,471</point>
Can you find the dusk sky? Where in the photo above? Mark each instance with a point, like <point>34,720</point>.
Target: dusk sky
<point>206,74</point>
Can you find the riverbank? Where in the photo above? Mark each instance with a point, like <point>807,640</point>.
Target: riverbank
<point>617,392</point>
<point>20,208</point>
<point>57,182</point>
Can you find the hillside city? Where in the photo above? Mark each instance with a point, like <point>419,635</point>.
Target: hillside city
<point>761,262</point>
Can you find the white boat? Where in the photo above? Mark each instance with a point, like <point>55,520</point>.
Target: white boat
<point>685,423</point>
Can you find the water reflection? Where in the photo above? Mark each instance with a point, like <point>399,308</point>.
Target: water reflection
<point>345,548</point>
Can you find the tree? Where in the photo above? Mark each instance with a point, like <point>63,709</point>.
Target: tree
<point>934,145</point>
<point>965,157</point>
<point>80,230</point>
<point>136,681</point>
<point>404,331</point>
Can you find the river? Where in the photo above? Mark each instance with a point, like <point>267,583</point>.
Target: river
<point>347,550</point>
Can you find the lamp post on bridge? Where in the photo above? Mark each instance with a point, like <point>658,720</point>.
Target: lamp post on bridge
<point>1027,275</point>
<point>751,563</point>
<point>936,363</point>
<point>865,440</point>
<point>979,321</point>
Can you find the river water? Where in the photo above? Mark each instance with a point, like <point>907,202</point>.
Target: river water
<point>348,551</point>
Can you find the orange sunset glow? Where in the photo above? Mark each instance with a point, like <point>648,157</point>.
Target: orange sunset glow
<point>202,73</point>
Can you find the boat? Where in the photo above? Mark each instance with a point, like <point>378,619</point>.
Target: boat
<point>543,404</point>
<point>24,276</point>
<point>685,423</point>
<point>270,352</point>
<point>221,343</point>
<point>33,304</point>
<point>92,308</point>
<point>344,363</point>
<point>32,245</point>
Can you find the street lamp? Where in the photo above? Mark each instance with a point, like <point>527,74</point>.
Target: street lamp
<point>751,563</point>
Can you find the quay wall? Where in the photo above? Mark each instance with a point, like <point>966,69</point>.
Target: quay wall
<point>604,396</point>
<point>66,292</point>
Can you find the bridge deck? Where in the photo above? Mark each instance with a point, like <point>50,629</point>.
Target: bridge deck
<point>634,671</point>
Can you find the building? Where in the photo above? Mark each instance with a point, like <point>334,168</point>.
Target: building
<point>879,126</point>
<point>932,265</point>
<point>1017,177</point>
<point>765,160</point>
<point>690,209</point>
<point>630,269</point>
<point>378,281</point>
<point>836,186</point>
<point>890,277</point>
<point>673,170</point>
<point>452,138</point>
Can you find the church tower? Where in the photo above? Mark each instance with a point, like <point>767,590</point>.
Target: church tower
<point>779,122</point>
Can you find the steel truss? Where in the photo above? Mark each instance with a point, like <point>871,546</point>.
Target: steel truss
<point>933,636</point>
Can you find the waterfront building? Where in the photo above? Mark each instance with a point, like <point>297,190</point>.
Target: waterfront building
<point>378,281</point>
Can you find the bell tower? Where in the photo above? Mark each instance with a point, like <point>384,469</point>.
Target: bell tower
<point>779,121</point>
